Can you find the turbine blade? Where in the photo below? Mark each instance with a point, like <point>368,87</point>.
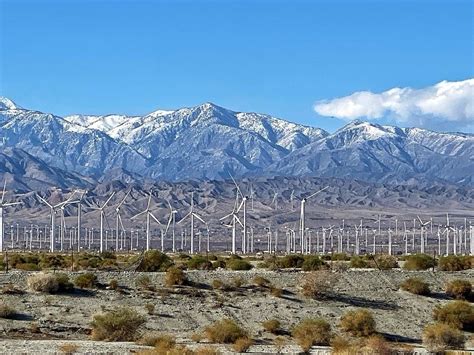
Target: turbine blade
<point>182,219</point>
<point>156,219</point>
<point>44,201</point>
<point>108,200</point>
<point>199,218</point>
<point>4,191</point>
<point>317,192</point>
<point>139,214</point>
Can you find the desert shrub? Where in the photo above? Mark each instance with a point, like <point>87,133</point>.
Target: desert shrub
<point>459,289</point>
<point>199,262</point>
<point>458,314</point>
<point>150,308</point>
<point>279,343</point>
<point>241,345</point>
<point>219,264</point>
<point>276,291</point>
<point>419,262</point>
<point>175,276</point>
<point>272,326</point>
<point>358,323</point>
<point>439,337</point>
<point>340,257</point>
<point>342,345</point>
<point>311,332</point>
<point>64,285</point>
<point>152,339</point>
<point>318,284</point>
<point>154,260</point>
<point>416,286</point>
<point>43,283</point>
<point>454,263</point>
<point>260,281</point>
<point>197,337</point>
<point>217,284</point>
<point>359,262</point>
<point>120,324</point>
<point>165,342</point>
<point>113,284</point>
<point>376,344</point>
<point>6,311</point>
<point>386,262</point>
<point>238,264</point>
<point>206,350</point>
<point>312,263</point>
<point>86,280</point>
<point>53,261</point>
<point>68,348</point>
<point>290,261</point>
<point>28,267</point>
<point>238,281</point>
<point>143,282</point>
<point>224,331</point>
<point>339,266</point>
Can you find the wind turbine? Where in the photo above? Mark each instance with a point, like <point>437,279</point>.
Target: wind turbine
<point>243,207</point>
<point>172,222</point>
<point>2,206</point>
<point>302,215</point>
<point>148,215</point>
<point>191,214</point>
<point>102,217</point>
<point>235,220</point>
<point>118,220</point>
<point>53,209</point>
<point>423,224</point>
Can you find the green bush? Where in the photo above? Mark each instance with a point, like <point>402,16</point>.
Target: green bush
<point>359,262</point>
<point>143,282</point>
<point>238,264</point>
<point>86,280</point>
<point>459,289</point>
<point>340,257</point>
<point>454,263</point>
<point>416,286</point>
<point>440,337</point>
<point>64,285</point>
<point>199,262</point>
<point>358,323</point>
<point>419,262</point>
<point>312,263</point>
<point>154,260</point>
<point>120,324</point>
<point>458,314</point>
<point>43,283</point>
<point>224,331</point>
<point>311,332</point>
<point>272,326</point>
<point>290,261</point>
<point>386,262</point>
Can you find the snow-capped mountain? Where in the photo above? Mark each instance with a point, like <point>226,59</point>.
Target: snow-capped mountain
<point>209,142</point>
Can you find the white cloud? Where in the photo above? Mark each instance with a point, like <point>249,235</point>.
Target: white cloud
<point>446,105</point>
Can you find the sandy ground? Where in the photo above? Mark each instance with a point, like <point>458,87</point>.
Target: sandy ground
<point>47,321</point>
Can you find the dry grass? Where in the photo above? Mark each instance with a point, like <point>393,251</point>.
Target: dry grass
<point>46,283</point>
<point>416,286</point>
<point>150,308</point>
<point>6,311</point>
<point>459,289</point>
<point>440,337</point>
<point>318,284</point>
<point>224,331</point>
<point>311,332</point>
<point>86,280</point>
<point>358,323</point>
<point>458,314</point>
<point>260,281</point>
<point>175,277</point>
<point>276,291</point>
<point>272,326</point>
<point>241,345</point>
<point>206,350</point>
<point>120,324</point>
<point>68,348</point>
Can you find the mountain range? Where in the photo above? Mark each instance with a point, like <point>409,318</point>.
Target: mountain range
<point>208,142</point>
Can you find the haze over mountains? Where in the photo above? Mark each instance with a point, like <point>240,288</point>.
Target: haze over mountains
<point>209,142</point>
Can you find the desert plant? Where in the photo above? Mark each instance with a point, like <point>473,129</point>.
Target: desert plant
<point>385,261</point>
<point>358,323</point>
<point>86,280</point>
<point>439,337</point>
<point>458,314</point>
<point>40,282</point>
<point>143,282</point>
<point>376,344</point>
<point>113,284</point>
<point>359,262</point>
<point>260,281</point>
<point>120,324</point>
<point>206,350</point>
<point>68,348</point>
<point>276,291</point>
<point>224,331</point>
<point>64,285</point>
<point>290,261</point>
<point>238,264</point>
<point>272,326</point>
<point>311,332</point>
<point>6,311</point>
<point>312,263</point>
<point>217,284</point>
<point>241,345</point>
<point>199,262</point>
<point>318,284</point>
<point>175,276</point>
<point>154,260</point>
<point>419,262</point>
<point>150,308</point>
<point>459,289</point>
<point>238,282</point>
<point>341,345</point>
<point>416,286</point>
<point>279,343</point>
<point>454,263</point>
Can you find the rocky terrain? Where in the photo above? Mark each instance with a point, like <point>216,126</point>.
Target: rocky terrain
<point>45,322</point>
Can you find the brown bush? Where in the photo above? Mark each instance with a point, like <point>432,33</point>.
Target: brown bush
<point>455,263</point>
<point>175,277</point>
<point>416,286</point>
<point>224,331</point>
<point>68,348</point>
<point>276,291</point>
<point>311,332</point>
<point>86,280</point>
<point>260,281</point>
<point>358,323</point>
<point>459,289</point>
<point>342,346</point>
<point>113,284</point>
<point>376,344</point>
<point>6,311</point>
<point>217,284</point>
<point>120,324</point>
<point>143,282</point>
<point>206,350</point>
<point>439,337</point>
<point>458,314</point>
<point>150,308</point>
<point>241,345</point>
<point>272,326</point>
<point>41,282</point>
<point>238,282</point>
<point>419,262</point>
<point>318,284</point>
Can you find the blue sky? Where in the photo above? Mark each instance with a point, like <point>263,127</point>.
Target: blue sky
<point>276,57</point>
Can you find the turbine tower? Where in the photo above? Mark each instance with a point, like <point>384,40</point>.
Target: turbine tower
<point>118,220</point>
<point>191,214</point>
<point>102,217</point>
<point>149,214</point>
<point>2,206</point>
<point>302,216</point>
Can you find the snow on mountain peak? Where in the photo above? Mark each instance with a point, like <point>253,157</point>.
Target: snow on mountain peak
<point>7,104</point>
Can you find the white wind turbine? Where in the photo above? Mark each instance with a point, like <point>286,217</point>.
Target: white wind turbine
<point>149,214</point>
<point>53,209</point>
<point>235,220</point>
<point>102,217</point>
<point>243,207</point>
<point>191,214</point>
<point>423,236</point>
<point>119,228</point>
<point>303,216</point>
<point>172,222</point>
<point>2,206</point>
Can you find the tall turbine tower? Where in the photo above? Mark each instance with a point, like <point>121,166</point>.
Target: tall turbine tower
<point>102,217</point>
<point>302,216</point>
<point>2,206</point>
<point>191,214</point>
